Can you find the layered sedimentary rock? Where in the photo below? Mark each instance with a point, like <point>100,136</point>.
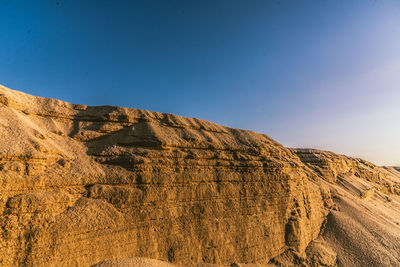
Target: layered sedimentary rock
<point>333,167</point>
<point>363,228</point>
<point>82,185</point>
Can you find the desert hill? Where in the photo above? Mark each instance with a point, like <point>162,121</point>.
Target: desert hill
<point>110,186</point>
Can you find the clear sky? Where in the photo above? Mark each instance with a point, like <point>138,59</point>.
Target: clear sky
<point>321,74</point>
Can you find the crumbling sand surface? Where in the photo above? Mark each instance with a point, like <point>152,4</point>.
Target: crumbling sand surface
<point>133,262</point>
<point>363,228</point>
<point>115,186</point>
<point>142,262</point>
<point>364,231</point>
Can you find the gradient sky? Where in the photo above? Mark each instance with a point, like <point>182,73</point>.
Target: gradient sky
<point>321,74</point>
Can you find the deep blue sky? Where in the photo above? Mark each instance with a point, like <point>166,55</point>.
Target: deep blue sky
<point>323,74</point>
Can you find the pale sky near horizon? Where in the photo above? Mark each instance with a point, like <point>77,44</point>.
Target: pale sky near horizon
<point>320,74</point>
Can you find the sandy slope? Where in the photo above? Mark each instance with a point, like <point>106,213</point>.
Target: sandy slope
<point>365,231</point>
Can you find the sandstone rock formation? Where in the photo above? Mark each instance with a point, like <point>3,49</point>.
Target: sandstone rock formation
<point>363,228</point>
<point>85,185</point>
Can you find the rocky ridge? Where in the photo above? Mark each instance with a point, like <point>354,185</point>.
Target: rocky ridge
<point>81,185</point>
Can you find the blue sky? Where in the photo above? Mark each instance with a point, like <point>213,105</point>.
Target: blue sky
<point>322,74</point>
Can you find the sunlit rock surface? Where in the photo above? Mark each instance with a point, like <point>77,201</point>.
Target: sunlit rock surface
<point>83,185</point>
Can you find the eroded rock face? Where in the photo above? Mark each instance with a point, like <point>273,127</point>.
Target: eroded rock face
<point>84,184</point>
<point>333,167</point>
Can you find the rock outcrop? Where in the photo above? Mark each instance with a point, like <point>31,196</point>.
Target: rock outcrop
<point>332,167</point>
<point>82,185</point>
<point>363,227</point>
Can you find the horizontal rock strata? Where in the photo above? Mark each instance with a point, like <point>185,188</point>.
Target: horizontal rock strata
<point>81,185</point>
<point>333,167</point>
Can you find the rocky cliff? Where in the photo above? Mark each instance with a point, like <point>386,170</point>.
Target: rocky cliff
<point>81,185</point>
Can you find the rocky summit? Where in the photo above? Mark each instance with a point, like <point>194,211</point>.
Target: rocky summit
<point>112,186</point>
